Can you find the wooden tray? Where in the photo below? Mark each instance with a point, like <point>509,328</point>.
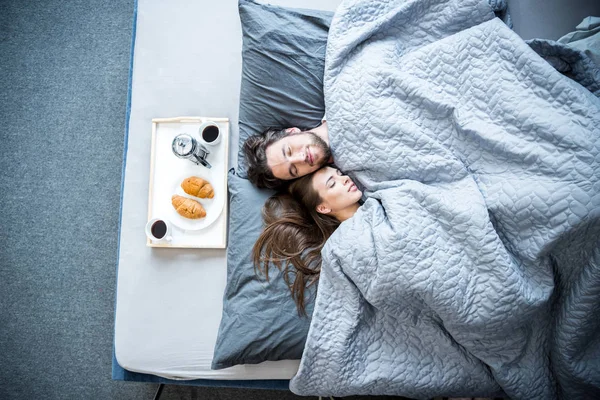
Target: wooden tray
<point>166,170</point>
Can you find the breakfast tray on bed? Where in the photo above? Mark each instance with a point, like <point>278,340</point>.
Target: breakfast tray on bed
<point>166,174</point>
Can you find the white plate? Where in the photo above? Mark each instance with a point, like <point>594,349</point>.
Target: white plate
<point>213,206</point>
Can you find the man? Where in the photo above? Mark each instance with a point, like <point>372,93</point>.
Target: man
<point>279,155</point>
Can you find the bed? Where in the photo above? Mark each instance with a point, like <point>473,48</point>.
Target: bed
<point>171,325</point>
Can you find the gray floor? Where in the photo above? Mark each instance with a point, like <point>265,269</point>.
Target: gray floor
<point>63,72</point>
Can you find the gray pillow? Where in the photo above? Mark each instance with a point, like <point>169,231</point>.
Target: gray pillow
<point>282,85</point>
<point>260,321</point>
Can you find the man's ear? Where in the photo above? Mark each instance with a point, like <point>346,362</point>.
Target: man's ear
<point>322,209</point>
<point>293,130</point>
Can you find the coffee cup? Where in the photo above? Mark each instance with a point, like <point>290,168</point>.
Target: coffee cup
<point>210,133</point>
<point>158,230</point>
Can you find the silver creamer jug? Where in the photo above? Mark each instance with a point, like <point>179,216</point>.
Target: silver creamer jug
<point>186,147</point>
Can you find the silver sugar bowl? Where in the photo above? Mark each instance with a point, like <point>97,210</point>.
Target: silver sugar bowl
<point>186,147</point>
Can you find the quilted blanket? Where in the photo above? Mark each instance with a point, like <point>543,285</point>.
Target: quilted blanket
<point>473,267</point>
<point>577,64</point>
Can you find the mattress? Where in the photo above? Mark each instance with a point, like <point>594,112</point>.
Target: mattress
<point>169,302</point>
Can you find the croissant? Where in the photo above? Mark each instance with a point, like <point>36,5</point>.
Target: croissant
<point>187,207</point>
<point>198,187</point>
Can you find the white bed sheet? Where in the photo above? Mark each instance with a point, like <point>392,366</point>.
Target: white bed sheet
<point>187,62</point>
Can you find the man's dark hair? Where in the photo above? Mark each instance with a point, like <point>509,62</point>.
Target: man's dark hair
<point>255,149</point>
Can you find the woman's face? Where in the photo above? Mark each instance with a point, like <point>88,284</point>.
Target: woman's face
<point>337,191</point>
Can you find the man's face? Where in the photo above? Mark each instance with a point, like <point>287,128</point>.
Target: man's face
<point>297,155</point>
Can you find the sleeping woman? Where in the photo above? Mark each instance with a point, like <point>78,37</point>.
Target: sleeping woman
<point>299,222</point>
<point>416,266</point>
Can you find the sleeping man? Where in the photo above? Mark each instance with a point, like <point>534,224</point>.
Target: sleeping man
<point>278,155</point>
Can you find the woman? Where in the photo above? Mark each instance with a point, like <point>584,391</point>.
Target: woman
<point>299,222</point>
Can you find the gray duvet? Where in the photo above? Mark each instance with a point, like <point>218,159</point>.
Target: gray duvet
<point>473,267</point>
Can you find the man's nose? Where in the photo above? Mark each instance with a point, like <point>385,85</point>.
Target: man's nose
<point>298,157</point>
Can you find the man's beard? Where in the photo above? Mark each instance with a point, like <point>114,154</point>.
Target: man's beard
<point>321,144</point>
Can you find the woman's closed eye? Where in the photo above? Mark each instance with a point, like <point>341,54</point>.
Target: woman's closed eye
<point>330,182</point>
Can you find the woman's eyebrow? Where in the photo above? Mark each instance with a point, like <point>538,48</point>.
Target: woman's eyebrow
<point>330,178</point>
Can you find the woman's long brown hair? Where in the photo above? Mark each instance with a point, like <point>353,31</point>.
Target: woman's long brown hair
<point>293,237</point>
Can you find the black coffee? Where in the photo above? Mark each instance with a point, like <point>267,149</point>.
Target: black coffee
<point>210,134</point>
<point>159,229</point>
